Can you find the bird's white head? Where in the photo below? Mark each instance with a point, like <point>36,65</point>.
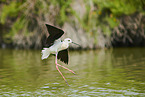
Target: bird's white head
<point>67,40</point>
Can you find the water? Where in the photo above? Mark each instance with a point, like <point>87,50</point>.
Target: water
<point>114,72</point>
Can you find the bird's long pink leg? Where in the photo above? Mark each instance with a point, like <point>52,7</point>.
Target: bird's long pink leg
<point>59,70</point>
<point>66,68</point>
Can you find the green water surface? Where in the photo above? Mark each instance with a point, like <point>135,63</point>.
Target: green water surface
<point>103,73</point>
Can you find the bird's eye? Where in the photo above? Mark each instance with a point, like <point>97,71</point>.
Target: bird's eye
<point>68,40</point>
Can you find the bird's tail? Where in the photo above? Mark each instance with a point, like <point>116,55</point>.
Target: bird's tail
<point>45,53</point>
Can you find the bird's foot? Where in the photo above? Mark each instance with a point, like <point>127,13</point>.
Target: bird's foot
<point>67,83</point>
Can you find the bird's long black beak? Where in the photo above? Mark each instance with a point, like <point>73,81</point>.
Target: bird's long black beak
<point>76,44</point>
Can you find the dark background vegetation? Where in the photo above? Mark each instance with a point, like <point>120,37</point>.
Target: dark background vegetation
<point>91,23</point>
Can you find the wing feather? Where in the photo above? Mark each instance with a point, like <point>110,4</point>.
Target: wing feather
<point>63,56</point>
<point>54,34</point>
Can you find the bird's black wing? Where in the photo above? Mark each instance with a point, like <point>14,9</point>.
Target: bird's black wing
<point>63,56</point>
<point>54,34</point>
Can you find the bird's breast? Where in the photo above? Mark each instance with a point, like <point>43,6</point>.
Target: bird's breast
<point>64,46</point>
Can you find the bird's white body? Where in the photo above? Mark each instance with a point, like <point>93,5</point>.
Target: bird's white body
<point>56,47</point>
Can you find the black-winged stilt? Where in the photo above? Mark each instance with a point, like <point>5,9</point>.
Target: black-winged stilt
<point>54,45</point>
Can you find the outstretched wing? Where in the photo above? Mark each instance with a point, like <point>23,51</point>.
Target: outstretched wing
<point>54,34</point>
<point>63,56</point>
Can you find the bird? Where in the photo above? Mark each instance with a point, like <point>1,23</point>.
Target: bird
<point>54,45</point>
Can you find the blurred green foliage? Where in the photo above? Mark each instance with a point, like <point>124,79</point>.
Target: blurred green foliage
<point>105,14</point>
<point>120,7</point>
<point>10,10</point>
<point>64,10</point>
